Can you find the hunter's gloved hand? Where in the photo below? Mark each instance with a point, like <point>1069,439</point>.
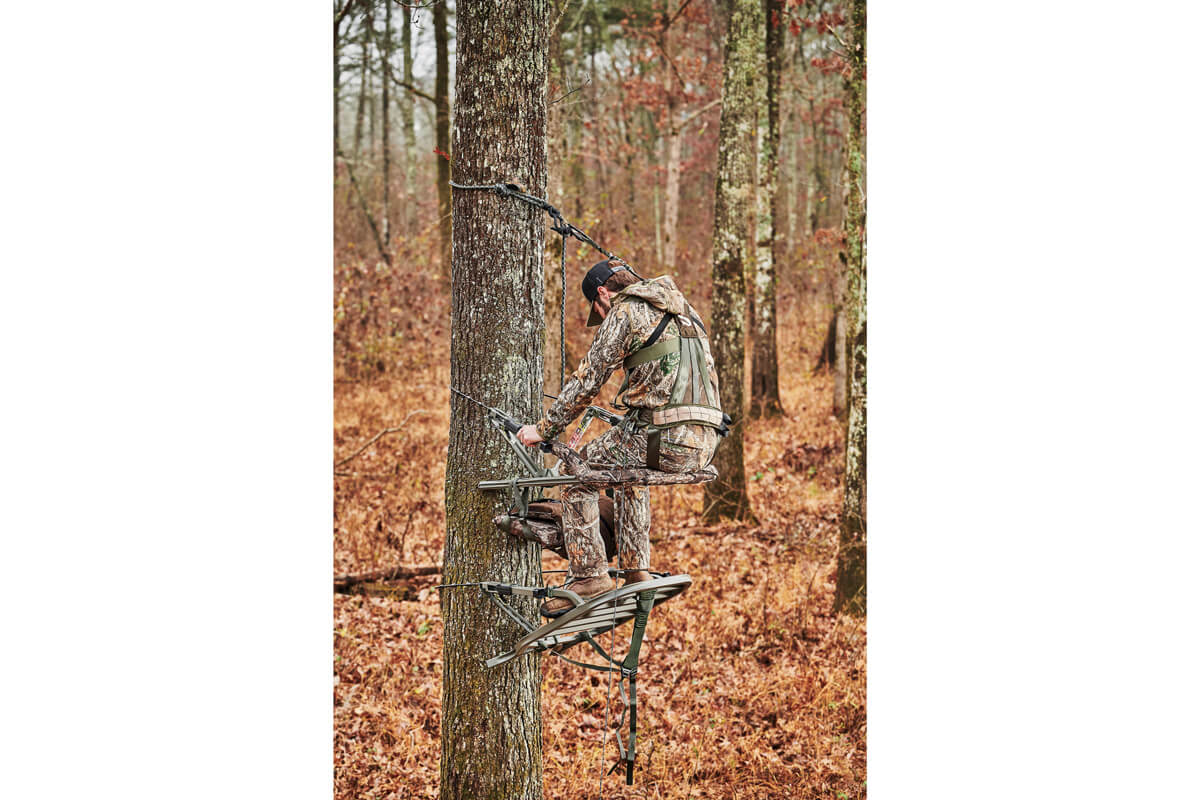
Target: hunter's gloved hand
<point>528,435</point>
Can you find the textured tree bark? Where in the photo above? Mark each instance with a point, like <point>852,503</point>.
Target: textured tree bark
<point>491,719</point>
<point>764,369</point>
<point>441,94</point>
<point>852,546</point>
<point>733,250</point>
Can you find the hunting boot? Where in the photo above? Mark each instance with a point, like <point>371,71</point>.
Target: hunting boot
<point>586,588</point>
<point>637,576</point>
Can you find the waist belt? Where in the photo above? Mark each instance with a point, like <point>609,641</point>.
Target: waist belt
<point>654,421</point>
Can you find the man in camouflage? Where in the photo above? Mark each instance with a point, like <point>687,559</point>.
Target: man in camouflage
<point>628,312</point>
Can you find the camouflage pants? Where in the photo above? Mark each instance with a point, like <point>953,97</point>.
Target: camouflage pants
<point>684,448</point>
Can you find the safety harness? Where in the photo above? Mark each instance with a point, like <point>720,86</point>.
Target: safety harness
<point>693,400</point>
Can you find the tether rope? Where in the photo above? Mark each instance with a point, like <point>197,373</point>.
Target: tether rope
<point>563,229</point>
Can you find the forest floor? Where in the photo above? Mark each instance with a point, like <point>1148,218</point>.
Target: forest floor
<point>750,686</point>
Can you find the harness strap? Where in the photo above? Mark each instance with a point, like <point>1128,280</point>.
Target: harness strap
<point>653,445</point>
<point>652,353</point>
<point>658,330</point>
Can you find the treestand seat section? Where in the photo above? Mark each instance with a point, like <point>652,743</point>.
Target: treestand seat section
<point>624,476</point>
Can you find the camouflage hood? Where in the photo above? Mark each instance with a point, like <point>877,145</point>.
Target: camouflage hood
<point>661,292</point>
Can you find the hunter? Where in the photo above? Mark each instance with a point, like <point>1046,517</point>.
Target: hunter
<point>672,420</point>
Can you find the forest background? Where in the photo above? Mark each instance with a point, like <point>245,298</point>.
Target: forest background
<point>167,266</point>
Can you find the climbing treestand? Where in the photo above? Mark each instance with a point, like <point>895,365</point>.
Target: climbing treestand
<point>588,618</point>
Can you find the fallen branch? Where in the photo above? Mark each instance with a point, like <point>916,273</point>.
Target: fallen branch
<point>377,436</point>
<point>343,582</point>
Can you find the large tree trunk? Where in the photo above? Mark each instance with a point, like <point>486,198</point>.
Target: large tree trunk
<point>733,250</point>
<point>410,130</point>
<point>852,546</point>
<point>491,719</point>
<point>764,370</point>
<point>441,94</point>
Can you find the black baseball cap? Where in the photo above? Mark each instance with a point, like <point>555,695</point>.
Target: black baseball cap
<point>595,278</point>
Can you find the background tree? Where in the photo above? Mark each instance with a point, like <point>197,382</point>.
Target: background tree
<point>407,121</point>
<point>764,368</point>
<point>852,545</point>
<point>733,249</point>
<point>441,95</point>
<point>491,719</point>
<point>385,59</point>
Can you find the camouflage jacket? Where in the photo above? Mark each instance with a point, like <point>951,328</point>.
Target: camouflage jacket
<point>634,314</point>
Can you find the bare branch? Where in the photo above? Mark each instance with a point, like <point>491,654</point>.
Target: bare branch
<point>419,6</point>
<point>573,91</point>
<point>696,115</point>
<point>343,582</point>
<point>413,89</point>
<point>377,436</point>
<point>341,15</point>
<point>671,21</point>
<point>362,201</point>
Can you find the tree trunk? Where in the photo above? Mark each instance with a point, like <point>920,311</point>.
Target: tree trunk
<point>674,149</point>
<point>386,58</point>
<point>839,342</point>
<point>764,370</point>
<point>337,81</point>
<point>410,130</point>
<point>733,250</point>
<point>817,184</point>
<point>441,94</point>
<point>671,224</point>
<point>491,719</point>
<point>852,545</point>
<point>363,80</point>
<point>557,154</point>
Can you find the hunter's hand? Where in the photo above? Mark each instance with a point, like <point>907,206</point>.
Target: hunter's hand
<point>528,435</point>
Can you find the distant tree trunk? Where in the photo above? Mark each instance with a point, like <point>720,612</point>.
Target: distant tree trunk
<point>556,86</point>
<point>366,209</point>
<point>671,210</point>
<point>441,94</point>
<point>852,546</point>
<point>674,150</point>
<point>491,719</point>
<point>364,79</point>
<point>733,250</point>
<point>817,183</point>
<point>337,75</point>
<point>386,59</point>
<point>656,198</point>
<point>838,277</point>
<point>764,370</point>
<point>410,130</point>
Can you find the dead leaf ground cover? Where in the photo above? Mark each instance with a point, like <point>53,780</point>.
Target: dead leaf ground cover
<point>749,686</point>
